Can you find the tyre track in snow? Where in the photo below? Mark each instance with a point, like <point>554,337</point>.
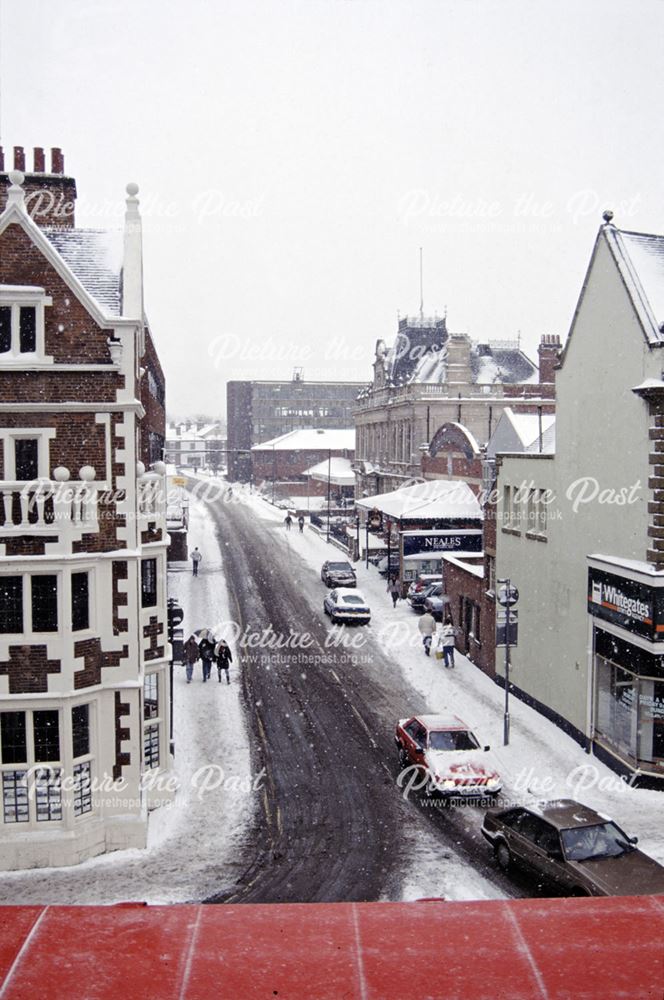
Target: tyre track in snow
<point>334,827</point>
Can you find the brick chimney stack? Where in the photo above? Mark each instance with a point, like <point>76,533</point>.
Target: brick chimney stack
<point>548,352</point>
<point>50,197</point>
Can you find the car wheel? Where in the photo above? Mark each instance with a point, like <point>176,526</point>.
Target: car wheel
<point>503,855</point>
<point>580,891</point>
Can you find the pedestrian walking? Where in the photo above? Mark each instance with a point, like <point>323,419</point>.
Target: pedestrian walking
<point>191,655</point>
<point>207,653</point>
<point>288,520</point>
<point>300,522</point>
<point>224,657</point>
<point>447,641</point>
<point>427,627</point>
<point>195,559</point>
<point>394,590</point>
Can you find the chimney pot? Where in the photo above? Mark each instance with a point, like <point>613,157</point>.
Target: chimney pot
<point>19,158</point>
<point>57,161</point>
<point>39,160</point>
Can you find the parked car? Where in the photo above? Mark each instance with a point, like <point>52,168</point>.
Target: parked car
<point>417,599</point>
<point>576,850</point>
<point>345,605</point>
<point>435,602</point>
<point>446,750</point>
<point>423,581</point>
<point>338,574</point>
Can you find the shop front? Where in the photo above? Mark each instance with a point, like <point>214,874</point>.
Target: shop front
<point>626,605</point>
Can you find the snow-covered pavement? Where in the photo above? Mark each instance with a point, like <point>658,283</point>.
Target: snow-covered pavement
<point>195,845</point>
<point>541,762</point>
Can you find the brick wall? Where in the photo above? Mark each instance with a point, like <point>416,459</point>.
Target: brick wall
<point>80,340</point>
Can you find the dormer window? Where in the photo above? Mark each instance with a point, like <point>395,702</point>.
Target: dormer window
<point>22,323</point>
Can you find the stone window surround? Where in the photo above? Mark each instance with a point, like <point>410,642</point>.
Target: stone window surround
<point>44,436</point>
<point>18,296</point>
<point>63,574</point>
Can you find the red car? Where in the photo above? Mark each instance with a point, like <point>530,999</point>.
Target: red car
<point>447,756</point>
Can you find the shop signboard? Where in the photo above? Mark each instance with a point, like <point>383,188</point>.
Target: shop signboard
<point>635,606</point>
<point>430,543</point>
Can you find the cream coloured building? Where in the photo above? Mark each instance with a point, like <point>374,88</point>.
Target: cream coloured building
<point>581,532</point>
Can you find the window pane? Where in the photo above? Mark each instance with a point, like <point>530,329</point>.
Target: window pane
<point>26,451</point>
<point>151,746</point>
<point>14,743</point>
<point>150,697</point>
<point>11,604</point>
<point>80,723</point>
<point>15,797</point>
<point>46,728</point>
<point>5,329</point>
<point>80,606</point>
<point>44,604</point>
<point>148,583</point>
<point>82,788</point>
<point>48,799</point>
<point>28,330</point>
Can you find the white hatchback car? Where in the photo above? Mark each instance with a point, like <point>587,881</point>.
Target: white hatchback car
<point>346,605</point>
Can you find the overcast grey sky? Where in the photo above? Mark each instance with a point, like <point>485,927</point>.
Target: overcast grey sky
<point>293,156</point>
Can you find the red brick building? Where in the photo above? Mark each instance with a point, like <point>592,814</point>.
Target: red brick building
<point>83,650</point>
<point>285,460</point>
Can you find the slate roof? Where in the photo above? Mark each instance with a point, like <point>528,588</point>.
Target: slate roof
<point>493,363</point>
<point>95,257</point>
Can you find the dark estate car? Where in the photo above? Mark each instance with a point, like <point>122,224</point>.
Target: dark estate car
<point>572,848</point>
<point>417,598</point>
<point>338,574</point>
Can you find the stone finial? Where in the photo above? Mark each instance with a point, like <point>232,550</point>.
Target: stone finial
<point>607,216</point>
<point>15,193</point>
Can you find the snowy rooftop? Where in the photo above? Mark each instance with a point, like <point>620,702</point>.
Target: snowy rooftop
<point>95,257</point>
<point>311,439</point>
<point>436,498</point>
<point>640,258</point>
<point>337,470</point>
<point>520,432</point>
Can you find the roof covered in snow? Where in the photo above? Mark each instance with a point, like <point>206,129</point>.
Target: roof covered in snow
<point>94,256</point>
<point>311,439</point>
<point>432,500</point>
<point>337,470</point>
<point>640,258</point>
<point>517,432</point>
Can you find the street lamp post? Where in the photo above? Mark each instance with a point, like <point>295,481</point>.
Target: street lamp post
<point>507,597</point>
<point>274,471</point>
<point>329,476</point>
<point>357,534</point>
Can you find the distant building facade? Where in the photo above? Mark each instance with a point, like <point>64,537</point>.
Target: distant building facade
<point>283,464</point>
<point>430,378</point>
<point>193,444</point>
<point>261,410</point>
<point>84,694</point>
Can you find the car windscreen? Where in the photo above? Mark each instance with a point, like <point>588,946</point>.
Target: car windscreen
<point>352,599</point>
<point>605,840</point>
<point>452,739</point>
<point>340,567</point>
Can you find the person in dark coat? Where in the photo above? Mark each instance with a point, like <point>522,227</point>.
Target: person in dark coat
<point>288,520</point>
<point>191,655</point>
<point>394,588</point>
<point>206,650</point>
<point>300,522</point>
<point>224,658</point>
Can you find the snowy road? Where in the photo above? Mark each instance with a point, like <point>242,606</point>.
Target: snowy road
<point>333,825</point>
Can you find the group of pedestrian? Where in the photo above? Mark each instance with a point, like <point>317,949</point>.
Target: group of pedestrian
<point>446,641</point>
<point>288,521</point>
<point>208,652</point>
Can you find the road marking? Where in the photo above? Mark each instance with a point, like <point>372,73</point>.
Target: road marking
<point>279,823</point>
<point>335,677</point>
